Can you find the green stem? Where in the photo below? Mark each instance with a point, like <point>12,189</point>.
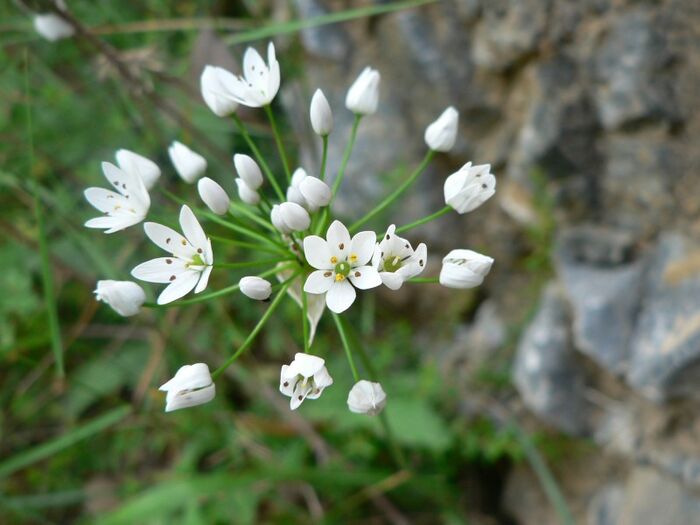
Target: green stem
<point>424,220</point>
<point>248,264</point>
<point>243,210</point>
<point>261,160</point>
<point>424,280</point>
<point>393,196</point>
<point>247,245</point>
<point>346,346</point>
<point>278,141</point>
<point>241,229</point>
<point>305,320</point>
<point>324,157</point>
<point>249,340</point>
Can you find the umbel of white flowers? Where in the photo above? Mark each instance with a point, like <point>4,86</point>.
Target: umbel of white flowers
<point>464,269</point>
<point>189,164</point>
<point>125,297</point>
<point>366,397</point>
<point>191,386</point>
<point>305,377</point>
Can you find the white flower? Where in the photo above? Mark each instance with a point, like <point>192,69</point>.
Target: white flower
<point>340,261</point>
<point>123,209</point>
<point>213,195</point>
<point>259,83</point>
<point>396,261</point>
<point>145,168</point>
<point>441,134</point>
<point>470,187</point>
<point>246,194</point>
<point>52,26</point>
<point>310,192</point>
<point>125,297</point>
<point>191,261</point>
<point>255,287</point>
<point>289,217</point>
<point>464,269</point>
<point>305,377</point>
<point>248,170</point>
<point>366,397</point>
<point>188,164</point>
<point>321,114</point>
<point>191,386</point>
<point>213,84</point>
<point>363,95</point>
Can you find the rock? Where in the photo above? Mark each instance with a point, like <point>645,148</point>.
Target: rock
<point>546,373</point>
<point>603,283</point>
<point>328,41</point>
<point>604,508</point>
<point>665,349</point>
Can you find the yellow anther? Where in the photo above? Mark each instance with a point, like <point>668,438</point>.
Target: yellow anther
<point>339,277</point>
<point>334,260</point>
<point>353,257</point>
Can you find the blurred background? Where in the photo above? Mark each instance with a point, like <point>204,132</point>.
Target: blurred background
<point>563,390</point>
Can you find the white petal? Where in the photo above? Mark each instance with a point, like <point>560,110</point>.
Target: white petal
<point>185,399</point>
<point>340,296</point>
<point>319,281</point>
<point>111,224</point>
<point>143,167</point>
<point>338,238</point>
<point>160,270</point>
<point>317,252</point>
<point>254,67</point>
<point>204,279</point>
<point>189,377</point>
<point>104,200</point>
<point>362,246</point>
<point>181,286</point>
<point>391,280</point>
<point>169,240</point>
<point>306,365</point>
<point>365,277</point>
<point>192,229</point>
<point>273,79</point>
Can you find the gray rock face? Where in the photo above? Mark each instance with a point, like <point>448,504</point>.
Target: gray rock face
<point>326,41</point>
<point>546,373</point>
<point>604,508</point>
<point>665,350</point>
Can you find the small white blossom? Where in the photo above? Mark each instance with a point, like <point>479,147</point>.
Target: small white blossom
<point>290,217</point>
<point>213,84</point>
<point>464,269</point>
<point>123,208</point>
<point>255,287</point>
<point>190,264</point>
<point>396,260</point>
<point>310,192</point>
<point>363,95</point>
<point>125,297</point>
<point>246,194</point>
<point>189,164</point>
<point>340,261</point>
<point>191,386</point>
<point>259,83</point>
<point>366,397</point>
<point>321,114</point>
<point>441,134</point>
<point>52,26</point>
<point>145,168</point>
<point>213,195</point>
<point>303,378</point>
<point>470,187</point>
<point>248,170</point>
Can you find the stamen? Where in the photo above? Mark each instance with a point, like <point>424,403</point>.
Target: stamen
<point>353,257</point>
<point>184,242</point>
<point>339,277</point>
<point>334,260</point>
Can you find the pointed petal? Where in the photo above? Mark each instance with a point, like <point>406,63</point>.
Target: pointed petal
<point>169,240</point>
<point>192,229</point>
<point>160,270</point>
<point>365,277</point>
<point>340,296</point>
<point>181,286</point>
<point>104,200</point>
<point>203,280</point>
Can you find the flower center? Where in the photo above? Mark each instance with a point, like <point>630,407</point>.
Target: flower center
<point>392,263</point>
<point>197,260</point>
<point>342,269</point>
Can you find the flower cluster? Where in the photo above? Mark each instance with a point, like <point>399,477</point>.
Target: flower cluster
<point>317,260</point>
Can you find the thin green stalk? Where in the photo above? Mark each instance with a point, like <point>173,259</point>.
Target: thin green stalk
<point>46,270</point>
<point>241,229</point>
<point>248,264</point>
<point>305,320</point>
<point>247,245</point>
<point>278,141</point>
<point>324,157</point>
<point>346,346</point>
<point>424,220</point>
<point>424,280</point>
<point>249,340</point>
<point>261,160</point>
<point>253,216</point>
<point>393,196</point>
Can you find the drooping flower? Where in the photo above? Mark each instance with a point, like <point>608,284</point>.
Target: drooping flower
<point>145,168</point>
<point>340,261</point>
<point>52,26</point>
<point>189,265</point>
<point>189,164</point>
<point>303,378</point>
<point>315,304</point>
<point>125,297</point>
<point>213,84</point>
<point>192,385</point>
<point>464,269</point>
<point>213,195</point>
<point>310,192</point>
<point>248,170</point>
<point>290,217</point>
<point>470,187</point>
<point>441,134</point>
<point>363,95</point>
<point>366,397</point>
<point>123,208</point>
<point>396,260</point>
<point>255,287</point>
<point>246,194</point>
<point>321,114</point>
<point>259,83</point>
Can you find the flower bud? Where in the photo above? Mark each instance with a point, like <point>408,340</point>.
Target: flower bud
<point>316,193</point>
<point>125,297</point>
<point>441,134</point>
<point>213,84</point>
<point>191,386</point>
<point>255,288</point>
<point>289,217</point>
<point>52,26</point>
<point>293,191</point>
<point>363,95</point>
<point>464,269</point>
<point>246,194</point>
<point>131,162</point>
<point>188,164</point>
<point>366,397</point>
<point>470,187</point>
<point>248,170</point>
<point>321,114</point>
<point>213,195</point>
